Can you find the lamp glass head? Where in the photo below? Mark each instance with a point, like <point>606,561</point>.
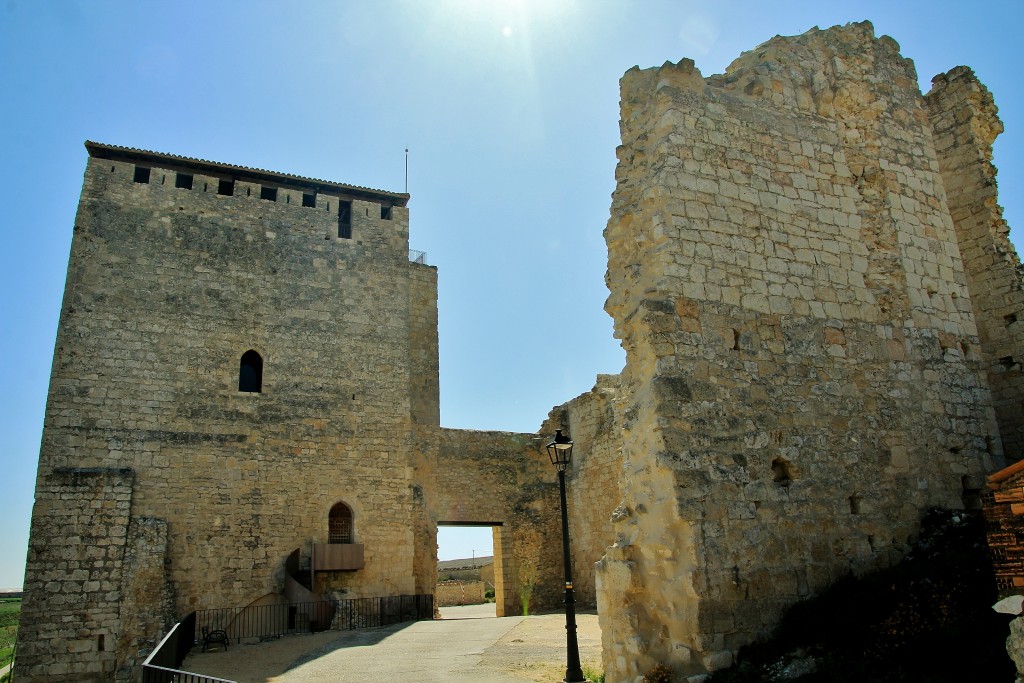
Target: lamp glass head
<point>560,450</point>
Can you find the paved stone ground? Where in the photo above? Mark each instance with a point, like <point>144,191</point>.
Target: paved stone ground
<point>469,644</point>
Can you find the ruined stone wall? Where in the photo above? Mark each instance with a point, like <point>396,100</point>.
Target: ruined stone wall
<point>504,479</point>
<point>593,486</point>
<point>964,118</point>
<point>167,287</point>
<point>77,557</point>
<point>803,371</point>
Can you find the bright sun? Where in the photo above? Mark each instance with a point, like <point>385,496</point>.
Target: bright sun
<point>507,16</point>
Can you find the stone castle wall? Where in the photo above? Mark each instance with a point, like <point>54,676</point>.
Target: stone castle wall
<point>593,481</point>
<point>503,479</point>
<point>964,119</point>
<point>809,273</point>
<point>804,372</point>
<point>178,268</point>
<point>167,287</point>
<point>89,512</point>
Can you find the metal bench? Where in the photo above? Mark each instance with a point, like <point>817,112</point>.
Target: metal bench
<point>218,635</point>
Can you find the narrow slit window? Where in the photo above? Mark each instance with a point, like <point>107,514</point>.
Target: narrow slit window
<point>250,373</point>
<point>226,187</point>
<point>345,220</point>
<point>183,181</point>
<point>268,193</point>
<point>141,174</point>
<point>855,504</point>
<point>339,524</point>
<point>782,472</point>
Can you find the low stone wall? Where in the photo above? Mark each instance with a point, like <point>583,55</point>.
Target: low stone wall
<point>451,593</point>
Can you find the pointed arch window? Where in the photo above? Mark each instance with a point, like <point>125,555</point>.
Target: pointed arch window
<point>339,524</point>
<point>250,373</point>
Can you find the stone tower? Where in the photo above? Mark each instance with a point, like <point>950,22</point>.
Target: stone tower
<point>243,411</point>
<point>239,351</point>
<point>808,270</point>
<point>812,283</point>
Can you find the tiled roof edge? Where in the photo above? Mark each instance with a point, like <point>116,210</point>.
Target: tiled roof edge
<point>99,149</point>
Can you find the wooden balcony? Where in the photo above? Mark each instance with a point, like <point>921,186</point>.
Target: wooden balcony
<point>337,557</point>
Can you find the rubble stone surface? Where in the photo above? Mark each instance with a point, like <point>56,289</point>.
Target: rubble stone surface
<point>796,294</point>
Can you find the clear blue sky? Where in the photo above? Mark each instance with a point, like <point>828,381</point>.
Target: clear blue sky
<point>510,112</point>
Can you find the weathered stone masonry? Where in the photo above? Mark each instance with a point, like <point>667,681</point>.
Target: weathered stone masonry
<point>965,124</point>
<point>808,270</point>
<point>163,487</point>
<point>804,370</point>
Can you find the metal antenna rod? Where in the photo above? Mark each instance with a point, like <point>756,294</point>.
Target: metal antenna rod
<point>407,170</point>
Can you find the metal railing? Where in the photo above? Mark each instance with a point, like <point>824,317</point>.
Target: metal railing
<point>418,256</point>
<point>158,674</point>
<point>272,621</point>
<point>267,621</point>
<point>161,666</point>
<point>372,612</point>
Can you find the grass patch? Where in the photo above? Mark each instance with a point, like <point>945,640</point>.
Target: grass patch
<point>927,619</point>
<point>10,613</point>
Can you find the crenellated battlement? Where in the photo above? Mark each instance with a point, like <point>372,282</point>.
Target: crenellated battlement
<point>250,198</point>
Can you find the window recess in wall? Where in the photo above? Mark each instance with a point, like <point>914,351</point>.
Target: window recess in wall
<point>250,373</point>
<point>345,220</point>
<point>340,553</point>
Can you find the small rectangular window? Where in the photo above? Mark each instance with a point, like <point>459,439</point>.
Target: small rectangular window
<point>184,181</point>
<point>309,199</point>
<point>345,220</point>
<point>141,174</point>
<point>268,193</point>
<point>226,187</point>
<point>385,212</point>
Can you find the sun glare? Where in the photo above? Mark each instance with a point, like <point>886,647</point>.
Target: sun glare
<point>507,16</point>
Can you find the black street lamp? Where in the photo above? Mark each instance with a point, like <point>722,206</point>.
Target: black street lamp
<point>560,452</point>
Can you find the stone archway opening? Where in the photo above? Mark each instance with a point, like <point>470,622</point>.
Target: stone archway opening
<point>469,540</point>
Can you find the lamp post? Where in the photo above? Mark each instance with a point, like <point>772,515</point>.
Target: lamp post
<point>560,452</point>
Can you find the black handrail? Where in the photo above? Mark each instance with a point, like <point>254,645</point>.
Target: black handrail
<point>161,666</point>
<point>272,621</point>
